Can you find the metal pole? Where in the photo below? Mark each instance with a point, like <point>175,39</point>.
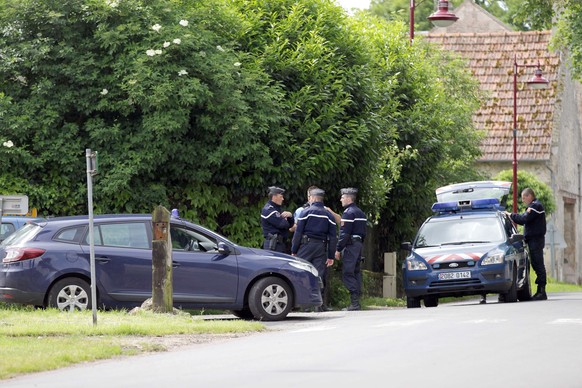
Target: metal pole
<point>515,135</point>
<point>1,205</point>
<point>89,156</point>
<point>411,21</point>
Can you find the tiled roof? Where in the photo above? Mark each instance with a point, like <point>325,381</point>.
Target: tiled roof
<point>491,58</point>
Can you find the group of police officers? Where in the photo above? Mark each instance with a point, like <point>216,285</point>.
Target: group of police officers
<point>314,228</point>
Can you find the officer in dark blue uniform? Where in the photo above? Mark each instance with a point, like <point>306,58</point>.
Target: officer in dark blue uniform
<point>315,237</point>
<point>350,243</point>
<point>275,222</point>
<point>534,233</point>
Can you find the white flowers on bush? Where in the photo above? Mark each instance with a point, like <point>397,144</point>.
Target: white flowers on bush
<point>177,41</point>
<point>151,53</point>
<point>237,64</point>
<point>104,92</point>
<point>8,144</point>
<point>156,27</point>
<point>184,23</point>
<point>219,48</point>
<point>158,52</point>
<point>112,3</point>
<point>166,44</point>
<point>182,72</point>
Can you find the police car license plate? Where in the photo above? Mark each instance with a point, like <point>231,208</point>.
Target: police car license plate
<point>455,275</point>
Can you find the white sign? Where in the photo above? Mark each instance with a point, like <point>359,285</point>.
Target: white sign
<point>13,204</point>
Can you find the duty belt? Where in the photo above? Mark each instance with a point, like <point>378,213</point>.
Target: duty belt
<point>306,239</point>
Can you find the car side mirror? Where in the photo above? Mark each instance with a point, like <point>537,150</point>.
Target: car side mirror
<point>515,238</point>
<point>223,248</point>
<point>407,246</point>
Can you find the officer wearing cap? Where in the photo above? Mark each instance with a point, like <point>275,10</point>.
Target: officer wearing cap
<point>275,222</point>
<point>350,243</point>
<point>315,237</point>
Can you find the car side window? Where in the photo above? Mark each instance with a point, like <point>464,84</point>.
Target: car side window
<point>121,234</point>
<point>184,239</point>
<point>71,235</point>
<point>5,230</point>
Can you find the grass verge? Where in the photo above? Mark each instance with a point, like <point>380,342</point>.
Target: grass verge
<point>38,340</point>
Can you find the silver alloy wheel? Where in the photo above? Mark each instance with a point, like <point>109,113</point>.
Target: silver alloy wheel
<point>274,299</point>
<point>72,297</point>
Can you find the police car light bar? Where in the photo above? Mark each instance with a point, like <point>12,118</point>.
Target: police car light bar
<point>485,203</point>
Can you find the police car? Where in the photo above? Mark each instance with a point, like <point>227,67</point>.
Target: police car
<point>468,247</point>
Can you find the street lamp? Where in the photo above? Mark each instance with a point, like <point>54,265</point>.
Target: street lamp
<point>537,82</point>
<point>441,18</point>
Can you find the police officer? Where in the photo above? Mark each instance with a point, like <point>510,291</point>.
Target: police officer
<point>534,221</point>
<point>275,222</point>
<point>315,237</point>
<point>350,243</point>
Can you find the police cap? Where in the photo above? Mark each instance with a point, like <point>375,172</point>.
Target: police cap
<point>349,191</point>
<point>317,193</point>
<point>273,190</point>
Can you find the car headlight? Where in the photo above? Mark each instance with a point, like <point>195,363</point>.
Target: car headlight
<point>496,258</point>
<point>305,267</point>
<point>414,264</point>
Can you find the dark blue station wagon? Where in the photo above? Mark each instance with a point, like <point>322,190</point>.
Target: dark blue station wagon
<point>47,264</point>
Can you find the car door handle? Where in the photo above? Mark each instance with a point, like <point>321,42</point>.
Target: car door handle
<point>103,259</point>
<point>175,264</point>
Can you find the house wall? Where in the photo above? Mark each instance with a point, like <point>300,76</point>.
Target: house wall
<point>565,164</point>
<point>472,18</point>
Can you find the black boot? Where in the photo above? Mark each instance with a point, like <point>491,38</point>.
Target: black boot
<point>483,299</point>
<point>540,294</point>
<point>354,303</point>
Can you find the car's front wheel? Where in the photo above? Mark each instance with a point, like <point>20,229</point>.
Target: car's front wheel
<point>511,295</point>
<point>524,293</point>
<point>412,302</point>
<point>70,294</point>
<point>431,301</point>
<point>270,299</point>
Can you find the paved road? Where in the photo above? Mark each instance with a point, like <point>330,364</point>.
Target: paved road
<point>528,344</point>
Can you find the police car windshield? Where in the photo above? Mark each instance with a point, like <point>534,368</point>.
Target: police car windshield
<point>458,231</point>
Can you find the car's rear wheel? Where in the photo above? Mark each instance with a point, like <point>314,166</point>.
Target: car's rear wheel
<point>431,301</point>
<point>270,299</point>
<point>511,295</point>
<point>412,303</point>
<point>243,314</point>
<point>70,294</point>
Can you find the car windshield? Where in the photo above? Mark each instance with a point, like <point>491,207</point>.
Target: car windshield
<point>457,231</point>
<point>26,233</point>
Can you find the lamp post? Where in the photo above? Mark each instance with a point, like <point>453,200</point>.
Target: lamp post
<point>537,82</point>
<point>441,18</point>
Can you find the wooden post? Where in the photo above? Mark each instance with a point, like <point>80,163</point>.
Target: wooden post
<point>162,288</point>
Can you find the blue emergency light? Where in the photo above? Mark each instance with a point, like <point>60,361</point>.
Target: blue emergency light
<point>468,204</point>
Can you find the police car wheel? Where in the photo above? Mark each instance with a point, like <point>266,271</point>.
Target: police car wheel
<point>431,301</point>
<point>270,299</point>
<point>412,302</point>
<point>511,295</point>
<point>524,293</point>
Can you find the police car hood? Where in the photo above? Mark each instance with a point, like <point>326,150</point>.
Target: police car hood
<point>451,253</point>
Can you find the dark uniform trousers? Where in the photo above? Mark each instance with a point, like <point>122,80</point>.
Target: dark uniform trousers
<point>351,274</point>
<point>536,255</point>
<point>280,247</point>
<point>315,251</point>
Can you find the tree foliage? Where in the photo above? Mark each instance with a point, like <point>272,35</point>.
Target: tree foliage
<point>526,179</point>
<point>202,105</point>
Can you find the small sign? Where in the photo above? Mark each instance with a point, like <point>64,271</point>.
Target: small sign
<point>14,204</point>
